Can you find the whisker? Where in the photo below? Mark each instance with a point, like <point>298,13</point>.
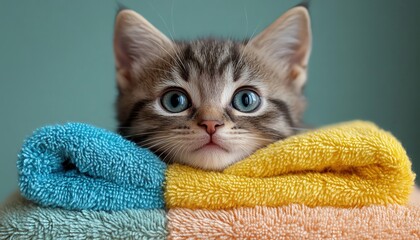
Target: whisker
<point>170,157</point>
<point>151,142</point>
<point>156,139</point>
<point>170,147</point>
<point>180,147</point>
<point>300,129</point>
<point>246,19</point>
<point>144,133</point>
<point>175,131</point>
<point>246,45</point>
<point>160,155</point>
<point>245,151</point>
<point>172,18</point>
<point>278,136</point>
<point>164,148</point>
<point>169,153</point>
<point>184,149</point>
<point>156,55</point>
<point>173,46</point>
<point>174,50</point>
<point>257,138</point>
<point>145,139</point>
<point>162,70</point>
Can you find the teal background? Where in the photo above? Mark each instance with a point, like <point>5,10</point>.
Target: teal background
<point>56,61</point>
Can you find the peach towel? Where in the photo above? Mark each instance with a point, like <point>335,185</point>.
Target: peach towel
<point>296,222</point>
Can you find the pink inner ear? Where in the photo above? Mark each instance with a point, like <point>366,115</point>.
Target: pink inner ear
<point>123,60</point>
<point>122,56</point>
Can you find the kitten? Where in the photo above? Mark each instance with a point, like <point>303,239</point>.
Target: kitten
<point>209,103</point>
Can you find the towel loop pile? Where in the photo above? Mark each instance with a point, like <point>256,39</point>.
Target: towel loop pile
<point>77,166</point>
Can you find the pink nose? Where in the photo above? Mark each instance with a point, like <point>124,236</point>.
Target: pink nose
<point>211,125</point>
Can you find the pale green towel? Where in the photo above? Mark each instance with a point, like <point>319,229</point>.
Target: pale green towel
<point>21,219</point>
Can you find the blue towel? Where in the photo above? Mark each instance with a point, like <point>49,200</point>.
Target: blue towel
<point>77,166</point>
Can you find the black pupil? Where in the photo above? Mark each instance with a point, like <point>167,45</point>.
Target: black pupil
<point>176,100</point>
<point>246,99</point>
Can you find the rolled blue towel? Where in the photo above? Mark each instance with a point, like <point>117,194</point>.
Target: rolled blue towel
<point>77,166</point>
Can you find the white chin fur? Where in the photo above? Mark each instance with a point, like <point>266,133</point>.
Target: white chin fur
<point>215,160</point>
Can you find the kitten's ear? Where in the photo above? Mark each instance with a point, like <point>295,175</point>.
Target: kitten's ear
<point>136,41</point>
<point>288,39</point>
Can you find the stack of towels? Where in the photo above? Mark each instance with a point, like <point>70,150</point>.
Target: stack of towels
<point>346,181</point>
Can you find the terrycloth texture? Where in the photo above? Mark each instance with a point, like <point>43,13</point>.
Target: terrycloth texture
<point>77,166</point>
<point>347,165</point>
<point>21,219</point>
<point>296,222</point>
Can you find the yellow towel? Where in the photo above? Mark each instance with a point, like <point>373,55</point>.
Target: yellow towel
<point>347,165</point>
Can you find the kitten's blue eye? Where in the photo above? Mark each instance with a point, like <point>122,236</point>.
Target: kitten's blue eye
<point>246,101</point>
<point>175,101</point>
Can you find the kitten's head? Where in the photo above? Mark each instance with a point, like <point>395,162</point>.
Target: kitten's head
<point>209,103</point>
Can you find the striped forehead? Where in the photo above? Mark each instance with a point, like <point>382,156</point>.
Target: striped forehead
<point>209,70</point>
<point>209,57</point>
<point>209,66</point>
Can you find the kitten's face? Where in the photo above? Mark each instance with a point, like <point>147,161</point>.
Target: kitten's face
<point>209,103</point>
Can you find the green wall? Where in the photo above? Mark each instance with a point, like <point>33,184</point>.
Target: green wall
<point>56,61</point>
